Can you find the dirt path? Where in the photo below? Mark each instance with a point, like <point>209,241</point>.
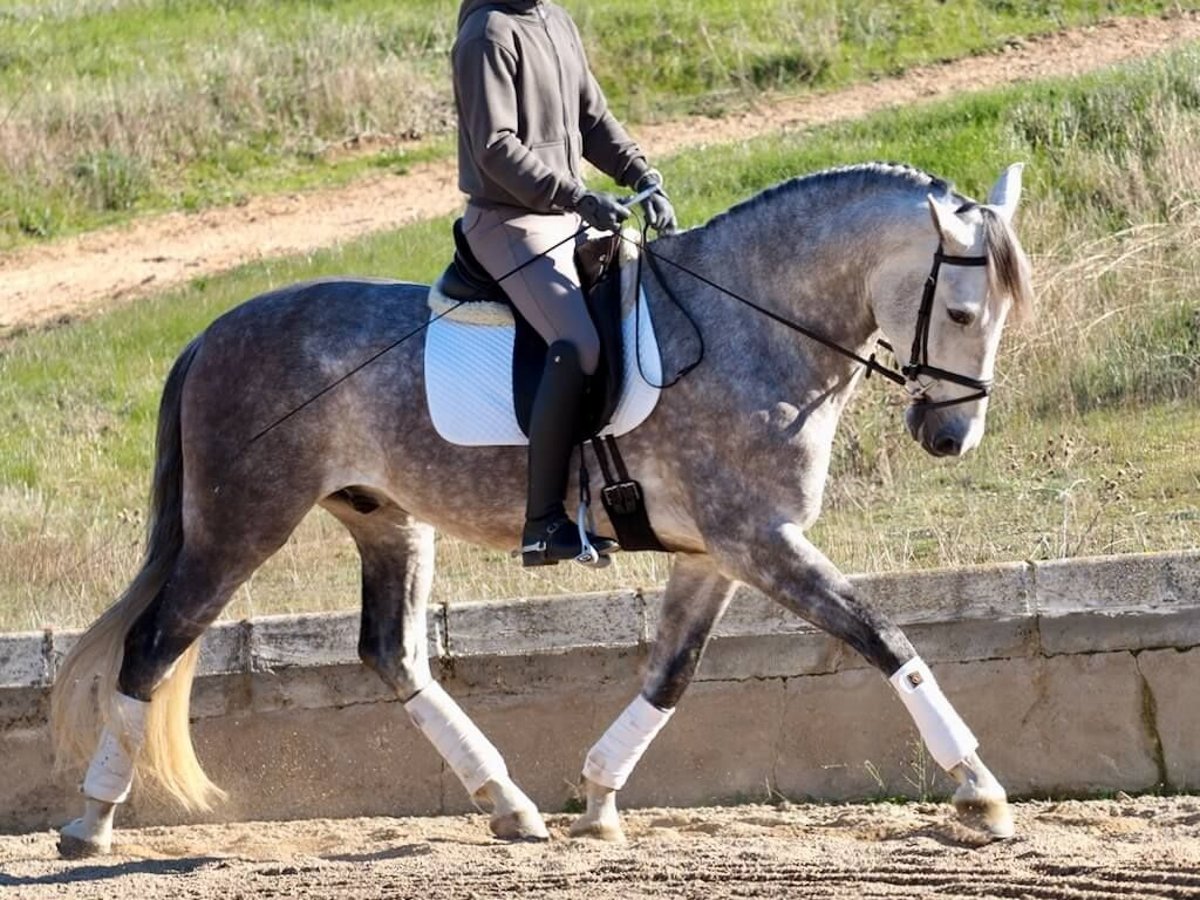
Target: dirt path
<point>93,272</point>
<point>1128,848</point>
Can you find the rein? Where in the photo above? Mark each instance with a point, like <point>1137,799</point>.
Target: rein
<point>919,357</point>
<point>905,375</point>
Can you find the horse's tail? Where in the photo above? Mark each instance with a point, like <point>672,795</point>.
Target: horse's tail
<point>93,664</point>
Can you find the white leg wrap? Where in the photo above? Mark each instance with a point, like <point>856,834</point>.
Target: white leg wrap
<point>946,735</point>
<point>460,742</point>
<point>610,762</point>
<point>110,774</point>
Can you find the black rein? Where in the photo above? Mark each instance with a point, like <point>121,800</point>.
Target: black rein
<point>919,358</point>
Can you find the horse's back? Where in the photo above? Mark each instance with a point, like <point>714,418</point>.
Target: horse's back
<point>342,306</point>
<point>283,349</point>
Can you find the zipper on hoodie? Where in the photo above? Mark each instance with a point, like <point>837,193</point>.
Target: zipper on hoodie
<point>567,131</point>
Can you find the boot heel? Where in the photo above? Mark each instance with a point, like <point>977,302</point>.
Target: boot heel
<point>537,555</point>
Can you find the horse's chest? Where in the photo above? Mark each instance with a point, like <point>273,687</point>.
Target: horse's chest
<point>785,451</point>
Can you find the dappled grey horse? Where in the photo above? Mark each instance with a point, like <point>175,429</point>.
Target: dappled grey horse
<point>733,462</point>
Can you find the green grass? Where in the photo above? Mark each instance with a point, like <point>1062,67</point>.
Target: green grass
<point>1091,433</point>
<point>118,108</point>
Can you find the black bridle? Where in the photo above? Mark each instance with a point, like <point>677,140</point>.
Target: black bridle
<point>918,359</point>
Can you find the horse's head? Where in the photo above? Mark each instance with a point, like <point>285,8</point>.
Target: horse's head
<point>948,343</point>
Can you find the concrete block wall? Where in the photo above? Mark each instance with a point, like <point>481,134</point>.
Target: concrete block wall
<point>1078,676</point>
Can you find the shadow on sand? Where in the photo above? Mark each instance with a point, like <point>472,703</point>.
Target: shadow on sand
<point>119,870</point>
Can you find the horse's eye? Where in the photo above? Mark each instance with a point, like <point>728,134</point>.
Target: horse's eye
<point>960,316</point>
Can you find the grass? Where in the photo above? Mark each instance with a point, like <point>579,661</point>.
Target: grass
<point>114,108</point>
<point>1091,433</point>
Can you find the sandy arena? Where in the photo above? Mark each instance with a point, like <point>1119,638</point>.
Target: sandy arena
<point>1126,847</point>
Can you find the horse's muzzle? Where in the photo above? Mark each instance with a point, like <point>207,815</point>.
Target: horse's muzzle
<point>940,435</point>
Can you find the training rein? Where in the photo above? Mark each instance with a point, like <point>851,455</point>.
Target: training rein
<point>918,364</point>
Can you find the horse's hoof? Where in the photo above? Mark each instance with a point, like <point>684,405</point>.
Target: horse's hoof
<point>520,826</point>
<point>75,843</point>
<point>597,830</point>
<point>988,815</point>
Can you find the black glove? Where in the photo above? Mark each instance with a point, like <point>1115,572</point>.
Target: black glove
<point>601,211</point>
<point>659,211</point>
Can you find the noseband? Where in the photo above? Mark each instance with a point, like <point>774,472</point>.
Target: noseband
<point>918,364</point>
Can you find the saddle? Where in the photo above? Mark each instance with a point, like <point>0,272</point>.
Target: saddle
<point>476,336</point>
<point>467,281</point>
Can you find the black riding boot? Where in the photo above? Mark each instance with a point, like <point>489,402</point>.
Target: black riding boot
<point>550,536</point>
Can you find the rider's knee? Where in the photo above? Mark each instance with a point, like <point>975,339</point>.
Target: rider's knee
<point>583,350</point>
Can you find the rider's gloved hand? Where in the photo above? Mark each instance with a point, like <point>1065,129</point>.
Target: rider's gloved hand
<point>601,211</point>
<point>659,211</point>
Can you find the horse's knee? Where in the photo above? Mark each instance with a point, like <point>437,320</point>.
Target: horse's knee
<point>674,661</point>
<point>378,662</point>
<point>405,674</point>
<point>886,647</point>
<point>842,613</point>
<point>666,686</point>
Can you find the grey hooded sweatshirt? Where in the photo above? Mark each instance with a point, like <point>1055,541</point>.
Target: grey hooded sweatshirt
<point>529,109</point>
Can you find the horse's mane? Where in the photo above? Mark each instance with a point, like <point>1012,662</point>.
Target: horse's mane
<point>1008,266</point>
<point>854,179</point>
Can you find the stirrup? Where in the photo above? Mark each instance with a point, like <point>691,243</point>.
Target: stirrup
<point>593,550</point>
<point>588,555</point>
<point>533,555</point>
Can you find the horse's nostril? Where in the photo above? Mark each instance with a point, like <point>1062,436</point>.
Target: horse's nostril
<point>946,445</point>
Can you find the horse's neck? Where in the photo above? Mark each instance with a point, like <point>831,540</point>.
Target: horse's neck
<point>809,273</point>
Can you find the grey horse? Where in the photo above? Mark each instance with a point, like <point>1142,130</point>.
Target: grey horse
<point>733,461</point>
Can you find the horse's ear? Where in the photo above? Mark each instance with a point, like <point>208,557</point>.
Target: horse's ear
<point>1006,192</point>
<point>957,235</point>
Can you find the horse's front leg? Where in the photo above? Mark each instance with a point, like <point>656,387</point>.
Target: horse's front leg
<point>783,564</point>
<point>695,597</point>
<point>397,568</point>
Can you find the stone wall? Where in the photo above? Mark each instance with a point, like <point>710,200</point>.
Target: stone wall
<point>1078,676</point>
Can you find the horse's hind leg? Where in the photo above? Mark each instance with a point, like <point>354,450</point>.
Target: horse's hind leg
<point>157,663</point>
<point>695,598</point>
<point>198,587</point>
<point>397,574</point>
<point>783,564</point>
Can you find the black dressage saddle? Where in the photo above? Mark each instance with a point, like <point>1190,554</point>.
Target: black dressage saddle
<point>466,280</point>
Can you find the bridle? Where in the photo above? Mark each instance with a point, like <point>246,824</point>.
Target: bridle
<point>918,364</point>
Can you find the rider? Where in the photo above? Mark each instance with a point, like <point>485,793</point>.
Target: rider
<point>528,110</point>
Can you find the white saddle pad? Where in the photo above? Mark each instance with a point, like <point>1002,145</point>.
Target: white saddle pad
<point>468,370</point>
